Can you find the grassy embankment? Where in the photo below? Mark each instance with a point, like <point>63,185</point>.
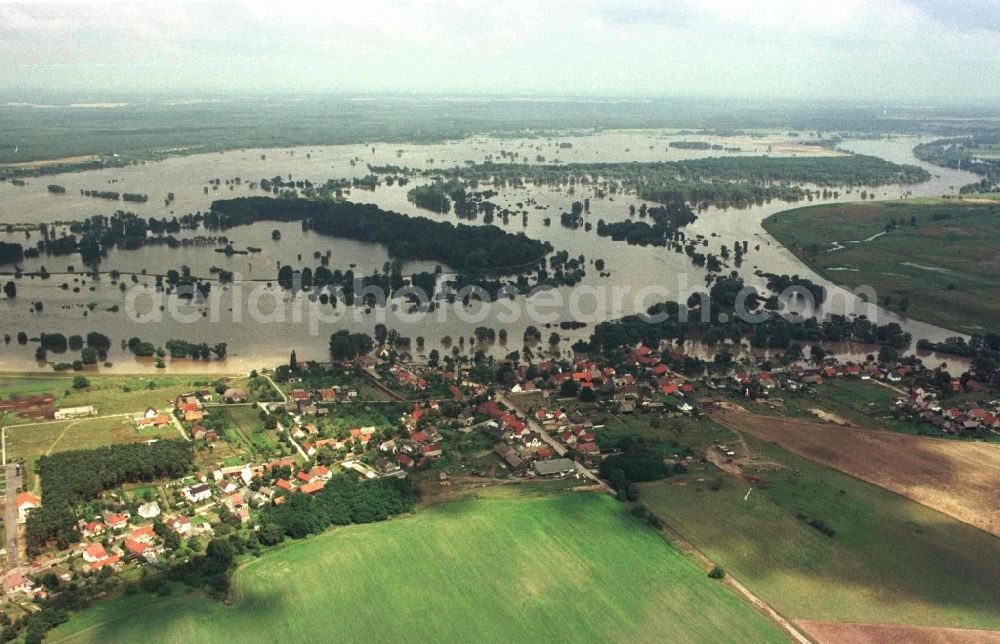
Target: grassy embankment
<point>942,270</point>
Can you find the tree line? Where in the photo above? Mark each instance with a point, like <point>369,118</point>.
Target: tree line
<point>461,247</point>
<point>718,308</point>
<point>722,181</point>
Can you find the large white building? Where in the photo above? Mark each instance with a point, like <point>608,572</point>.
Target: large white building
<point>75,412</point>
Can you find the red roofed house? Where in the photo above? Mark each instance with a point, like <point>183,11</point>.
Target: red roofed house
<point>144,534</point>
<point>117,521</point>
<point>361,435</point>
<point>588,448</point>
<point>310,488</point>
<point>285,485</point>
<point>94,553</point>
<point>490,408</point>
<point>25,502</point>
<point>19,584</point>
<point>93,529</point>
<point>110,560</point>
<point>431,451</point>
<point>135,547</point>
<point>512,422</point>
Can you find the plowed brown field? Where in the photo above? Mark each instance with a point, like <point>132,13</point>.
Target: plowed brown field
<point>960,479</point>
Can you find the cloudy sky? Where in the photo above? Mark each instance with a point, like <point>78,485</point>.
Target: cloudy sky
<point>908,50</point>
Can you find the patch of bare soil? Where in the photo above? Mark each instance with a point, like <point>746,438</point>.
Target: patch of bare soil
<point>33,407</point>
<point>830,417</point>
<point>843,632</point>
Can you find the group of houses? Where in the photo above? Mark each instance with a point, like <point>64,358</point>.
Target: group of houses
<point>967,418</point>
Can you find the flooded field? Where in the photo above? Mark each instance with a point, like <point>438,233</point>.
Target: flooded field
<point>73,303</point>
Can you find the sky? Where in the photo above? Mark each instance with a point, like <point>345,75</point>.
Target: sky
<point>933,51</point>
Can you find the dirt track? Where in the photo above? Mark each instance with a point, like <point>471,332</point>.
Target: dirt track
<point>958,478</point>
<point>839,632</point>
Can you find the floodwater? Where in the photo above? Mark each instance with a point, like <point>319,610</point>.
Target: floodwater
<point>262,325</point>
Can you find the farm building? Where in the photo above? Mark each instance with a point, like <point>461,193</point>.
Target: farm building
<point>557,466</point>
<point>66,413</point>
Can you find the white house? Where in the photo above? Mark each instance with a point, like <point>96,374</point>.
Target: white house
<point>149,510</point>
<point>197,493</point>
<point>180,525</point>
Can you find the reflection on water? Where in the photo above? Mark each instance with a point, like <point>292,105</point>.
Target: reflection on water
<point>83,305</point>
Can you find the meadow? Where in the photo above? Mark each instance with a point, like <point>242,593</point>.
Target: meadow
<point>28,442</point>
<point>866,571</point>
<point>243,426</point>
<point>109,394</point>
<point>939,264</point>
<point>572,567</point>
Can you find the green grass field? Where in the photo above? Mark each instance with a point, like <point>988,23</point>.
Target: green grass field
<point>945,267</point>
<point>28,442</point>
<point>572,567</point>
<point>889,561</point>
<point>248,427</point>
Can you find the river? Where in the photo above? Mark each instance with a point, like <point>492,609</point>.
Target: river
<point>75,304</point>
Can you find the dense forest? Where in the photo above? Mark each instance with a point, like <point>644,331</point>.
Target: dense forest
<point>445,196</point>
<point>70,478</point>
<point>778,284</point>
<point>345,345</point>
<point>11,253</point>
<point>722,181</point>
<point>667,219</point>
<point>462,247</point>
<point>343,501</point>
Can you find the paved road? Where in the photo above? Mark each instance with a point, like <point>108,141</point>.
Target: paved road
<point>10,514</point>
<point>556,446</point>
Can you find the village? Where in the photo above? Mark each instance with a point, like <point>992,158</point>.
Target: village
<point>386,416</point>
